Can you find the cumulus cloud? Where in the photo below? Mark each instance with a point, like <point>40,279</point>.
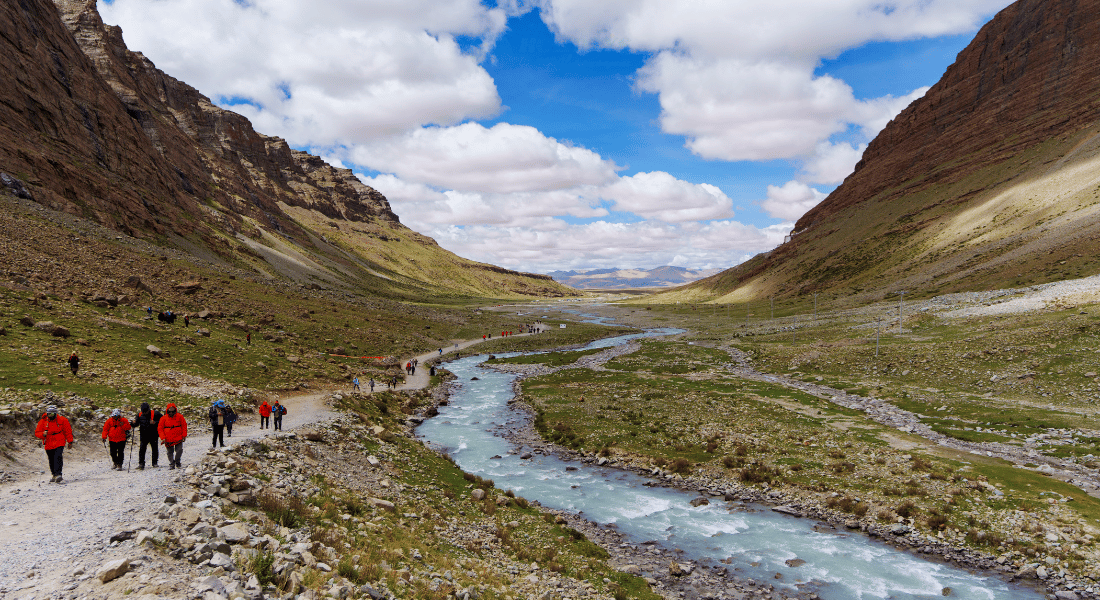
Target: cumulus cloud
<point>318,73</point>
<point>661,196</point>
<point>719,244</point>
<point>502,159</point>
<point>791,200</point>
<point>737,80</point>
<point>831,163</point>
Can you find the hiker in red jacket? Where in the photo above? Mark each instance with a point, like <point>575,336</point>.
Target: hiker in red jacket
<point>172,430</point>
<point>55,432</point>
<point>117,430</point>
<point>265,415</point>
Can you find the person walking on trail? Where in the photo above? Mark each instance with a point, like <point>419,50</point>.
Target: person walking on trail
<point>230,418</point>
<point>74,362</point>
<point>116,430</point>
<point>172,430</point>
<point>146,421</point>
<point>55,432</point>
<point>394,383</point>
<point>441,351</point>
<point>355,384</point>
<point>278,410</point>
<point>265,415</point>
<point>217,424</point>
<point>248,338</point>
<point>371,385</point>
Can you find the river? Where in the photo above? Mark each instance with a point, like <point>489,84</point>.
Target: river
<point>837,565</point>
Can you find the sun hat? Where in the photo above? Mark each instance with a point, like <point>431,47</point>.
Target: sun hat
<point>116,413</point>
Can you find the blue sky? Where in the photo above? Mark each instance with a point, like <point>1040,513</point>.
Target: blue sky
<point>567,134</point>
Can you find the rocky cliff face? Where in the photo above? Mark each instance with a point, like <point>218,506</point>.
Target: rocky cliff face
<point>93,129</point>
<point>1031,74</point>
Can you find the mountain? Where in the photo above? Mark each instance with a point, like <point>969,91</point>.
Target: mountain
<point>617,279</point>
<point>93,129</point>
<point>989,180</point>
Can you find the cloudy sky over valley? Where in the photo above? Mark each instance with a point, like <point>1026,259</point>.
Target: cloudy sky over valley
<point>570,134</point>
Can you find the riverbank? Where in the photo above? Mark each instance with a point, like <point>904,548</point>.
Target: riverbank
<point>902,535</point>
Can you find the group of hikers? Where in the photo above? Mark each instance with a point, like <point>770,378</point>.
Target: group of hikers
<point>169,429</point>
<point>154,429</point>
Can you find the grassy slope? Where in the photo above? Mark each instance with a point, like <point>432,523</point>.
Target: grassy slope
<point>1032,218</point>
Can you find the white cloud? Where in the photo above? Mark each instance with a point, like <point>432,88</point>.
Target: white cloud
<point>792,200</point>
<point>737,110</point>
<point>470,157</point>
<point>602,244</point>
<point>319,73</point>
<point>661,196</point>
<point>831,163</point>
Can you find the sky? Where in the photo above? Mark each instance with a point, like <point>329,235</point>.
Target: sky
<point>545,135</point>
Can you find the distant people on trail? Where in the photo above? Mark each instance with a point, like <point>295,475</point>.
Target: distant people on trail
<point>265,415</point>
<point>74,362</point>
<point>394,384</point>
<point>116,430</point>
<point>147,421</point>
<point>408,368</point>
<point>248,338</point>
<point>217,424</point>
<point>172,430</point>
<point>371,385</point>
<point>186,320</point>
<point>431,371</point>
<point>441,351</point>
<point>55,432</point>
<point>149,311</point>
<point>355,384</point>
<point>166,317</point>
<point>278,410</point>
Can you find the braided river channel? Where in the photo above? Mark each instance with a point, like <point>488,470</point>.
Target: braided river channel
<point>837,565</point>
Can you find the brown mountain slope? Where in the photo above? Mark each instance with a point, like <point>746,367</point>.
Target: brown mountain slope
<point>986,181</point>
<point>96,130</point>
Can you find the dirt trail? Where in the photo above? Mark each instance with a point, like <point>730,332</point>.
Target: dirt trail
<point>48,531</point>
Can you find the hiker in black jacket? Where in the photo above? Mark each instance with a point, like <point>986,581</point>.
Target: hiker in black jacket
<point>146,422</point>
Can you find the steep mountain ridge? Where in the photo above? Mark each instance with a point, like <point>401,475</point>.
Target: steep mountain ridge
<point>96,130</point>
<point>986,181</point>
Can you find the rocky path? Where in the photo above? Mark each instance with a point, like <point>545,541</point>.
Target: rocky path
<point>54,536</point>
<point>49,532</point>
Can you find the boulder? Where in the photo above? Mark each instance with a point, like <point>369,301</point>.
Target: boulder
<point>155,351</point>
<point>61,332</point>
<point>235,533</point>
<point>45,326</point>
<point>700,501</point>
<point>387,505</point>
<point>478,494</point>
<point>204,332</point>
<point>786,510</point>
<point>189,287</point>
<point>26,321</point>
<point>113,570</point>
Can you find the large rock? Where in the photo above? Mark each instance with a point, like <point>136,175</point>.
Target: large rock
<point>235,533</point>
<point>113,570</point>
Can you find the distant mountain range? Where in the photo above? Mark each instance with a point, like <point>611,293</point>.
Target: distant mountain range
<point>618,279</point>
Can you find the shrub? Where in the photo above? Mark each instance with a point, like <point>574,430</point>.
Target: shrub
<point>681,466</point>
<point>759,472</point>
<point>906,509</point>
<point>290,512</point>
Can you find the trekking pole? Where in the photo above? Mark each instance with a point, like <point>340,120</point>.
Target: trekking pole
<point>131,459</point>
